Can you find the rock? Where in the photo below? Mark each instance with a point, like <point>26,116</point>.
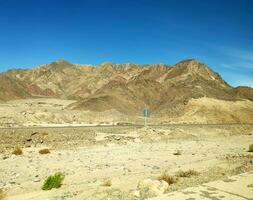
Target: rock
<point>117,137</point>
<point>36,179</point>
<point>12,182</point>
<point>15,175</point>
<point>5,157</point>
<point>152,188</point>
<point>136,193</point>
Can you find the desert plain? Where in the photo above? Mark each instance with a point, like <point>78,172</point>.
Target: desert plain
<point>109,161</point>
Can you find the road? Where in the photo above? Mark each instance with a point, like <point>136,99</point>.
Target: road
<point>127,125</point>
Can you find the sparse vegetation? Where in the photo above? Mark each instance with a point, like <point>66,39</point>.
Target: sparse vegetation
<point>167,178</point>
<point>2,195</point>
<point>54,181</point>
<point>187,173</point>
<point>17,151</point>
<point>44,151</point>
<point>251,148</point>
<point>107,183</point>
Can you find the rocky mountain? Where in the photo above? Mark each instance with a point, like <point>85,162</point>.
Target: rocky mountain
<point>127,88</point>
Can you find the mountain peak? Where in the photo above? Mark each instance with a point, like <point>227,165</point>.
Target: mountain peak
<point>61,61</point>
<point>193,66</point>
<point>60,65</point>
<point>190,63</point>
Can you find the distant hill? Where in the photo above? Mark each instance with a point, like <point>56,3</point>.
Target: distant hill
<point>127,88</point>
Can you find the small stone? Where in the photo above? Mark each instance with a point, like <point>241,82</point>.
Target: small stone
<point>5,157</point>
<point>12,182</point>
<point>36,180</point>
<point>155,167</point>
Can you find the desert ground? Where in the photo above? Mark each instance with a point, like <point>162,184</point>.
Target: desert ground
<point>46,112</point>
<point>52,112</point>
<point>121,162</point>
<point>109,155</point>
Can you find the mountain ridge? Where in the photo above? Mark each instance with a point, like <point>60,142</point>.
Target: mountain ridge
<point>126,88</point>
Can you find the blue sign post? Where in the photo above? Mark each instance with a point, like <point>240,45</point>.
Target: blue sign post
<point>146,114</point>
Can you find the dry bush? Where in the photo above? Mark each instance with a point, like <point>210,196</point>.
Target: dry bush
<point>107,183</point>
<point>187,173</point>
<point>251,148</point>
<point>167,178</point>
<point>2,195</point>
<point>44,151</point>
<point>17,151</point>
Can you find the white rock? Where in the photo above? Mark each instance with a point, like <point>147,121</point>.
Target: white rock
<point>36,180</point>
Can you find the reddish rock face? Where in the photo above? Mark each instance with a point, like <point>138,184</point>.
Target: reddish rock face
<point>35,90</point>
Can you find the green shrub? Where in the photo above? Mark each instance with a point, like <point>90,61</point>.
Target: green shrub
<point>53,181</point>
<point>251,148</point>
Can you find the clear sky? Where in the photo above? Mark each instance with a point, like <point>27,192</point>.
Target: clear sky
<point>217,32</point>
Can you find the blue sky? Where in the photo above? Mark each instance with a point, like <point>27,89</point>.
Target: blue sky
<point>217,32</point>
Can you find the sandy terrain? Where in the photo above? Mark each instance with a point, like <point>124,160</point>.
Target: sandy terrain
<point>57,112</point>
<point>50,112</point>
<point>123,155</point>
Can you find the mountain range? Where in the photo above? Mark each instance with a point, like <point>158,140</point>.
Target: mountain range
<point>128,88</point>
